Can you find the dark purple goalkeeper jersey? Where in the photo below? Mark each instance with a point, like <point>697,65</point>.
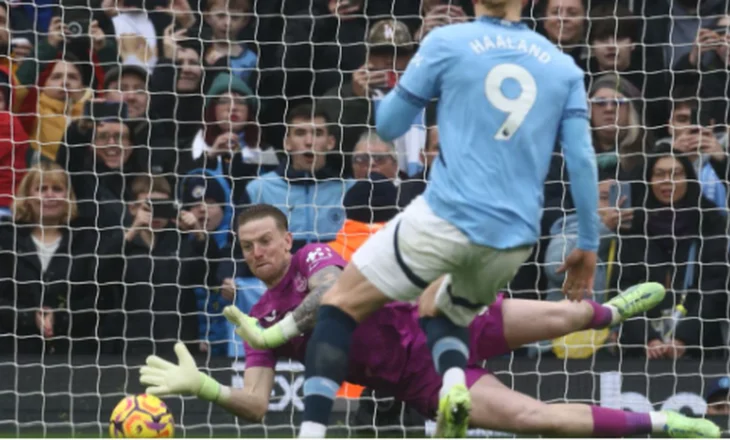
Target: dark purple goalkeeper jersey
<point>389,351</point>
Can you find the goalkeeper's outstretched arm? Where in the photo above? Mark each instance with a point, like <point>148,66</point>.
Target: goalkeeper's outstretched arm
<point>163,378</point>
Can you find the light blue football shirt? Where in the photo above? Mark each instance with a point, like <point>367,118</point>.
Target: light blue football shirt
<point>505,94</point>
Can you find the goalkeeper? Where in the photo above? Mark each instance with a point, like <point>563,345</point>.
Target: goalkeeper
<point>393,354</point>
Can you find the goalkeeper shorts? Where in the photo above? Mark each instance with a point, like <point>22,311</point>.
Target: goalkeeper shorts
<point>417,247</point>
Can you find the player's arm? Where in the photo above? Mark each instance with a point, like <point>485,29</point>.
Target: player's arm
<point>419,84</point>
<point>251,402</point>
<point>164,378</point>
<point>305,315</point>
<point>580,159</point>
<point>300,320</point>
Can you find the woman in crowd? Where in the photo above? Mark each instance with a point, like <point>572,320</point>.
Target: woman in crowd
<point>565,25</point>
<point>54,270</point>
<point>229,141</point>
<point>677,238</point>
<point>619,137</point>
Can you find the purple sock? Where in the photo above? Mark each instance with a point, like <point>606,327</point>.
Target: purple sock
<point>601,316</point>
<point>618,423</point>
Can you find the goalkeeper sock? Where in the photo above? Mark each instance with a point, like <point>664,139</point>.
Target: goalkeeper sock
<point>618,423</point>
<point>602,316</point>
<point>326,367</point>
<point>449,344</point>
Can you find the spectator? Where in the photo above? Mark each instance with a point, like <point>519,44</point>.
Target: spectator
<point>136,34</point>
<point>619,136</point>
<point>159,303</point>
<point>229,141</point>
<point>437,13</point>
<point>565,25</point>
<point>677,25</point>
<point>225,50</point>
<point>706,65</point>
<point>177,100</point>
<point>10,59</point>
<point>13,146</point>
<point>614,40</point>
<point>374,155</point>
<point>718,398</point>
<point>390,47</point>
<point>304,188</point>
<point>128,84</point>
<point>58,84</point>
<point>697,140</point>
<point>369,205</point>
<point>208,198</point>
<point>675,227</point>
<point>317,32</point>
<point>564,237</point>
<point>103,154</point>
<point>55,270</point>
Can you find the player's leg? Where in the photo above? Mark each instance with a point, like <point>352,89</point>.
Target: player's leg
<point>458,299</point>
<point>528,321</point>
<point>379,272</point>
<point>500,408</point>
<point>329,346</point>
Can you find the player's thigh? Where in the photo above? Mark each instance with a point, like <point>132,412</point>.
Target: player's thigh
<point>527,321</point>
<point>409,253</point>
<point>354,294</point>
<point>477,281</point>
<point>497,407</point>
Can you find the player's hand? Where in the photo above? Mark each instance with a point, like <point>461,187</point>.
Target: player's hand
<point>165,378</point>
<point>249,330</point>
<point>580,268</point>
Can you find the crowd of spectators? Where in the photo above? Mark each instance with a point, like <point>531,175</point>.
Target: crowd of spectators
<point>133,131</point>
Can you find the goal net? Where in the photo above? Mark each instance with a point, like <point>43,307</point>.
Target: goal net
<point>134,132</point>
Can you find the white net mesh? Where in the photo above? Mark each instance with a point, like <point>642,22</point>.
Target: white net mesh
<point>128,243</point>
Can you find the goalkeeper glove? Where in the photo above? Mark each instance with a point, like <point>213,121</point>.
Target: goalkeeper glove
<point>165,378</point>
<point>249,330</point>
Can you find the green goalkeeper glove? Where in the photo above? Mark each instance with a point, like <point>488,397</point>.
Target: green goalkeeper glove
<point>249,330</point>
<point>165,378</point>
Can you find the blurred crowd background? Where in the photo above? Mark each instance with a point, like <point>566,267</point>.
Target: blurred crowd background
<point>132,132</point>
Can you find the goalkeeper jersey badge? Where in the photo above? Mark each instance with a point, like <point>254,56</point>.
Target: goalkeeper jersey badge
<point>300,283</point>
<point>271,317</point>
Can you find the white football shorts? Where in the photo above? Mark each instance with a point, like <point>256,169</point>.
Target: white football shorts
<point>417,247</point>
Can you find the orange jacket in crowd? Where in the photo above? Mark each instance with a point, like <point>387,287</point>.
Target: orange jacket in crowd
<point>352,235</point>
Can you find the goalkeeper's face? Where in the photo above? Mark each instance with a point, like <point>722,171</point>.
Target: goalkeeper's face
<point>266,248</point>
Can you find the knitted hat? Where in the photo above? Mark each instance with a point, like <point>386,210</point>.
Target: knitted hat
<point>196,189</point>
<point>372,201</point>
<point>224,83</point>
